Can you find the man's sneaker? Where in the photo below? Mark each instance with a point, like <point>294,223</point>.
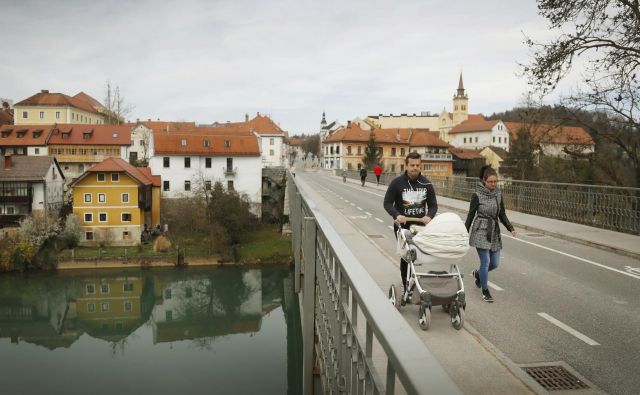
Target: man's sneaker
<point>486,296</point>
<point>476,276</point>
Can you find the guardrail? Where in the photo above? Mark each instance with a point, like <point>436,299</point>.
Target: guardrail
<point>606,207</point>
<point>335,293</point>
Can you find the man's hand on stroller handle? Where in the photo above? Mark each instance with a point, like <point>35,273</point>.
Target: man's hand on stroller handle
<point>401,219</point>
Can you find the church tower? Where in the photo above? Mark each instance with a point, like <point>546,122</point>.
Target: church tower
<point>460,104</point>
<point>323,125</point>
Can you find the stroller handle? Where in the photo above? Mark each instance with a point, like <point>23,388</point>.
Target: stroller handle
<point>409,219</point>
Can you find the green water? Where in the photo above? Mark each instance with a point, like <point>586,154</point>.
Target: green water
<point>190,331</point>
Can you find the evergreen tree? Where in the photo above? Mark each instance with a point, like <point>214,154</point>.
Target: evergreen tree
<point>372,153</point>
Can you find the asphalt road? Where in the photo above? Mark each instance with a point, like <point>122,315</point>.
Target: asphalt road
<point>554,300</point>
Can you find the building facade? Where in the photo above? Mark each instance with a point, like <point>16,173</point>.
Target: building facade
<point>45,108</point>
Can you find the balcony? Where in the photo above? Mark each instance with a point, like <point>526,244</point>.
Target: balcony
<point>437,157</point>
<point>230,171</point>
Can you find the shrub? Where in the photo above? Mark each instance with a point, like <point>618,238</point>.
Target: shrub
<point>72,231</point>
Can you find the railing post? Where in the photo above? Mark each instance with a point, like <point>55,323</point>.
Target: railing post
<point>308,262</point>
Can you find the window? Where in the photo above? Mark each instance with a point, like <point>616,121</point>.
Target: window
<point>88,217</point>
<point>168,315</point>
<point>465,140</point>
<point>37,151</point>
<point>207,163</point>
<point>102,217</point>
<point>393,152</point>
<point>205,143</point>
<point>88,236</point>
<point>165,162</point>
<point>115,177</point>
<point>393,168</point>
<point>437,167</point>
<point>104,288</point>
<point>126,235</point>
<point>91,288</point>
<point>272,141</point>
<point>402,152</point>
<point>189,292</point>
<point>187,163</point>
<point>102,198</point>
<point>127,287</point>
<point>165,185</point>
<point>25,114</point>
<point>91,307</point>
<point>227,143</point>
<point>494,139</point>
<point>87,198</point>
<point>128,306</point>
<point>348,150</point>
<point>104,306</point>
<point>359,150</point>
<point>183,142</point>
<point>141,143</point>
<point>229,164</point>
<point>271,152</point>
<point>57,114</point>
<point>499,139</point>
<point>187,185</point>
<point>125,198</point>
<point>445,167</point>
<point>126,217</point>
<point>401,167</point>
<point>167,293</point>
<point>41,114</point>
<point>207,185</point>
<point>101,177</point>
<point>476,139</point>
<point>380,150</point>
<point>230,185</point>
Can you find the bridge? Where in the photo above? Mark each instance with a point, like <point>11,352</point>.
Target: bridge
<point>565,317</point>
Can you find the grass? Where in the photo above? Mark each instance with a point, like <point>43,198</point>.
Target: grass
<point>260,245</point>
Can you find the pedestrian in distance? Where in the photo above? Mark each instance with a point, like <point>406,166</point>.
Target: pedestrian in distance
<point>344,175</point>
<point>293,170</point>
<point>410,195</point>
<point>377,171</point>
<point>485,209</point>
<point>363,175</point>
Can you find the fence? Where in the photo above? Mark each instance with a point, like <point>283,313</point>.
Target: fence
<point>614,208</point>
<point>343,311</point>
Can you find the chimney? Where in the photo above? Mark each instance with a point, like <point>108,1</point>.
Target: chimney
<point>258,113</point>
<point>348,124</point>
<point>8,163</point>
<point>246,117</point>
<point>44,91</point>
<point>149,119</point>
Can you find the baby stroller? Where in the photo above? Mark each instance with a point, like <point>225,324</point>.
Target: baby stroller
<point>433,277</point>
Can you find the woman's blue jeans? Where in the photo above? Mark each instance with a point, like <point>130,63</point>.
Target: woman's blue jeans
<point>488,261</point>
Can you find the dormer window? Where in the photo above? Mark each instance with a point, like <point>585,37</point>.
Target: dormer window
<point>205,143</point>
<point>65,135</point>
<point>6,133</point>
<point>227,143</point>
<point>86,135</point>
<point>183,142</point>
<point>37,133</point>
<point>20,133</point>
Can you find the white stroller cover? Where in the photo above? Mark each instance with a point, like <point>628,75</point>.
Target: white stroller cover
<point>445,236</point>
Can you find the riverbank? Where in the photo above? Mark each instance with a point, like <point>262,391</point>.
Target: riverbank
<point>262,246</point>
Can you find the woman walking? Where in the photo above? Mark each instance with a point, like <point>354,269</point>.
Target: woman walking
<point>486,208</point>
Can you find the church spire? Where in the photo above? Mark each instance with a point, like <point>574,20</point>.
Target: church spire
<point>324,120</point>
<point>460,86</point>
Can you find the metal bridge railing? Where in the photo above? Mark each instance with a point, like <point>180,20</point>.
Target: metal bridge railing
<point>605,207</point>
<point>343,311</point>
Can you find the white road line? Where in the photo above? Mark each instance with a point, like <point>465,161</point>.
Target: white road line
<point>379,220</point>
<point>494,286</point>
<point>390,227</point>
<point>575,257</point>
<point>359,208</point>
<point>368,213</point>
<point>353,204</point>
<point>569,329</point>
<point>346,201</point>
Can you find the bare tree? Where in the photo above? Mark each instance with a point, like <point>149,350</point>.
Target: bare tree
<point>116,108</point>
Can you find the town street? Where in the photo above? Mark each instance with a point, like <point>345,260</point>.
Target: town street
<point>554,300</point>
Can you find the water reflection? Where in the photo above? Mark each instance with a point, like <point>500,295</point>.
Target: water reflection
<point>138,311</point>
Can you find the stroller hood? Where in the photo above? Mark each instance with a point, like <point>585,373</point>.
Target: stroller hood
<point>445,236</point>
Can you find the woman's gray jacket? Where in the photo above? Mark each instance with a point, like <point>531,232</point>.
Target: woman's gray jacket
<point>482,221</point>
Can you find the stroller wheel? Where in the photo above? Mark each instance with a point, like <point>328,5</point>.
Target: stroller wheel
<point>457,317</point>
<point>394,298</point>
<point>425,318</point>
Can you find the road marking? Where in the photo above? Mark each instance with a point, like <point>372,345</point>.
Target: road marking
<point>390,227</point>
<point>359,208</point>
<point>636,276</point>
<point>569,329</point>
<point>494,286</point>
<point>346,201</point>
<point>353,204</point>
<point>379,220</point>
<point>632,270</point>
<point>368,213</point>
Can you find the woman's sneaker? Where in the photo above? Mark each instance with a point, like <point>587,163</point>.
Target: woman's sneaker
<point>476,276</point>
<point>486,296</point>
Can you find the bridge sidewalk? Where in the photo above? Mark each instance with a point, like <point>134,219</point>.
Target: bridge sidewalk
<point>473,363</point>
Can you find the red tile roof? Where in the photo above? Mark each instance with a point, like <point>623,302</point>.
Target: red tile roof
<point>542,133</point>
<point>171,143</point>
<point>473,125</point>
<point>165,126</point>
<point>422,138</point>
<point>354,133</point>
<point>32,135</point>
<point>297,142</point>
<point>141,174</point>
<point>56,99</point>
<point>100,134</point>
<point>26,168</point>
<point>92,102</point>
<point>462,153</point>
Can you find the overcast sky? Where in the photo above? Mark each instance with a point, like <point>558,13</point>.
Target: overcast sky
<point>207,61</point>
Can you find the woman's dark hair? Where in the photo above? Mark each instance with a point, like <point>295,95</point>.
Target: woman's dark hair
<point>486,171</point>
<point>412,155</point>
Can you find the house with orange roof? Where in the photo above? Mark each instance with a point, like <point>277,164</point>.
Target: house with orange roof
<point>479,133</point>
<point>296,151</point>
<point>115,202</point>
<point>466,162</point>
<point>556,140</point>
<point>78,147</point>
<point>46,108</point>
<point>193,162</point>
<point>436,157</point>
<point>24,140</point>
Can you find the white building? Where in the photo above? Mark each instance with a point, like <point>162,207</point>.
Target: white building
<point>476,135</point>
<point>188,163</point>
<point>142,144</point>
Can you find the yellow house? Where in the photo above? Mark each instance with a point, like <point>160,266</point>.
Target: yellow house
<point>46,108</point>
<point>115,202</point>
